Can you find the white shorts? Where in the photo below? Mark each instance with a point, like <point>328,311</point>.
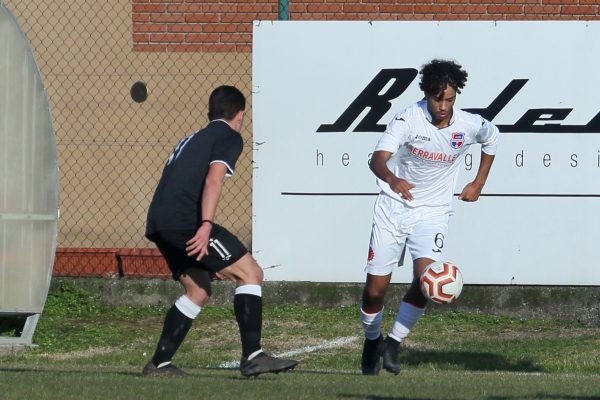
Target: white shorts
<point>422,229</point>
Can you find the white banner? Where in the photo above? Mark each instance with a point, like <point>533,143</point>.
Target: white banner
<point>324,92</point>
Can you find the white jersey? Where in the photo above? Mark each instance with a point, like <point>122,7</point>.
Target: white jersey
<point>429,157</point>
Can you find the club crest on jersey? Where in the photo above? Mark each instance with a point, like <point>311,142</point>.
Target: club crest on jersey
<point>457,140</point>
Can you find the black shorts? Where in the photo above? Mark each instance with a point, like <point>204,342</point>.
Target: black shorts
<point>224,249</point>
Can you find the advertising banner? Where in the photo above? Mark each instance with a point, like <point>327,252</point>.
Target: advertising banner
<point>324,93</point>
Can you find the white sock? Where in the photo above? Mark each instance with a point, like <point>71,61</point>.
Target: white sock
<point>408,315</point>
<point>188,307</point>
<point>371,324</point>
<point>255,290</point>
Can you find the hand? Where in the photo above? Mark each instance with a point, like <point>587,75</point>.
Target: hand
<point>198,245</point>
<point>402,187</point>
<point>471,192</point>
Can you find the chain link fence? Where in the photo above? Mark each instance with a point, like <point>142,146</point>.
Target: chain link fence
<point>127,79</point>
<point>112,148</point>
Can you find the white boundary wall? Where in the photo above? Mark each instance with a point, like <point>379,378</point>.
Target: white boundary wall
<point>539,219</point>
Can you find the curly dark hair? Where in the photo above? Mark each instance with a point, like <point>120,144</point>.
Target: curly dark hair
<point>437,74</point>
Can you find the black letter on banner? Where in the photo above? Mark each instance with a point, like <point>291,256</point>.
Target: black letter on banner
<point>528,120</point>
<point>370,97</point>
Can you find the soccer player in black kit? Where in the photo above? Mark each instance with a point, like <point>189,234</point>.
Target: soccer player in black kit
<point>181,224</point>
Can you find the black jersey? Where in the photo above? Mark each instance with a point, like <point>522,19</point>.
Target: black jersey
<point>176,204</point>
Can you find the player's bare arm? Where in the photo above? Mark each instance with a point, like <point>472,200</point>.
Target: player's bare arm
<point>472,190</point>
<point>379,167</point>
<point>198,245</point>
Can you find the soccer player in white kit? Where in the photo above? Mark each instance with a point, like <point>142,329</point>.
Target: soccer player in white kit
<point>416,162</point>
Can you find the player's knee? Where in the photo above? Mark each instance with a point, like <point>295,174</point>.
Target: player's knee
<point>199,296</point>
<point>255,273</point>
<point>373,293</point>
<point>245,271</point>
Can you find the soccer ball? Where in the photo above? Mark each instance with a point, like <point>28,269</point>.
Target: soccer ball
<point>441,282</point>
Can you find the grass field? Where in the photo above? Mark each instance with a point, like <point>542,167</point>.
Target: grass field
<point>88,351</point>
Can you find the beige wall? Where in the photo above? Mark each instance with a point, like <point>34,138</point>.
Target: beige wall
<point>111,149</point>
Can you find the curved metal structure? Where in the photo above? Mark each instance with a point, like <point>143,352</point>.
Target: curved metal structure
<point>28,182</point>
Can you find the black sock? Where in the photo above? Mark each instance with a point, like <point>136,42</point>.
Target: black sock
<point>175,329</point>
<point>248,313</point>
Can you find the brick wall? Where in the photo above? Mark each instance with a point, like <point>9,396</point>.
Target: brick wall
<point>226,25</point>
<point>198,25</point>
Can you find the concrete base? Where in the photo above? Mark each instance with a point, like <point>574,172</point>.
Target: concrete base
<point>526,302</point>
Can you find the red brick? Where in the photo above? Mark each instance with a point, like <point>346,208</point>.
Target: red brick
<point>297,8</point>
<point>383,17</point>
<point>243,48</point>
<point>86,262</point>
<point>560,2</point>
<point>219,8</point>
<point>541,9</point>
<point>505,9</point>
<point>141,37</point>
<point>238,18</point>
<point>452,17</point>
<point>314,16</point>
<point>359,8</point>
<point>167,17</point>
<point>149,8</point>
<point>324,8</point>
<point>346,17</point>
<point>560,18</point>
<point>256,8</point>
<point>247,28</point>
<point>529,17</point>
<point>218,28</point>
<point>140,17</point>
<point>468,9</point>
<point>487,17</point>
<point>432,8</point>
<point>207,47</point>
<point>146,263</point>
<point>167,37</point>
<point>202,18</point>
<point>397,8</point>
<point>579,10</point>
<point>138,28</point>
<point>416,17</point>
<point>202,38</point>
<point>185,28</point>
<point>236,38</point>
<point>505,1</point>
<point>184,8</point>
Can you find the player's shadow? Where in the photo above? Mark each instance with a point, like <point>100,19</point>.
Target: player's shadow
<point>469,360</point>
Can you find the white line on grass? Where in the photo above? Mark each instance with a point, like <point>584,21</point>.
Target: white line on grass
<point>331,344</point>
